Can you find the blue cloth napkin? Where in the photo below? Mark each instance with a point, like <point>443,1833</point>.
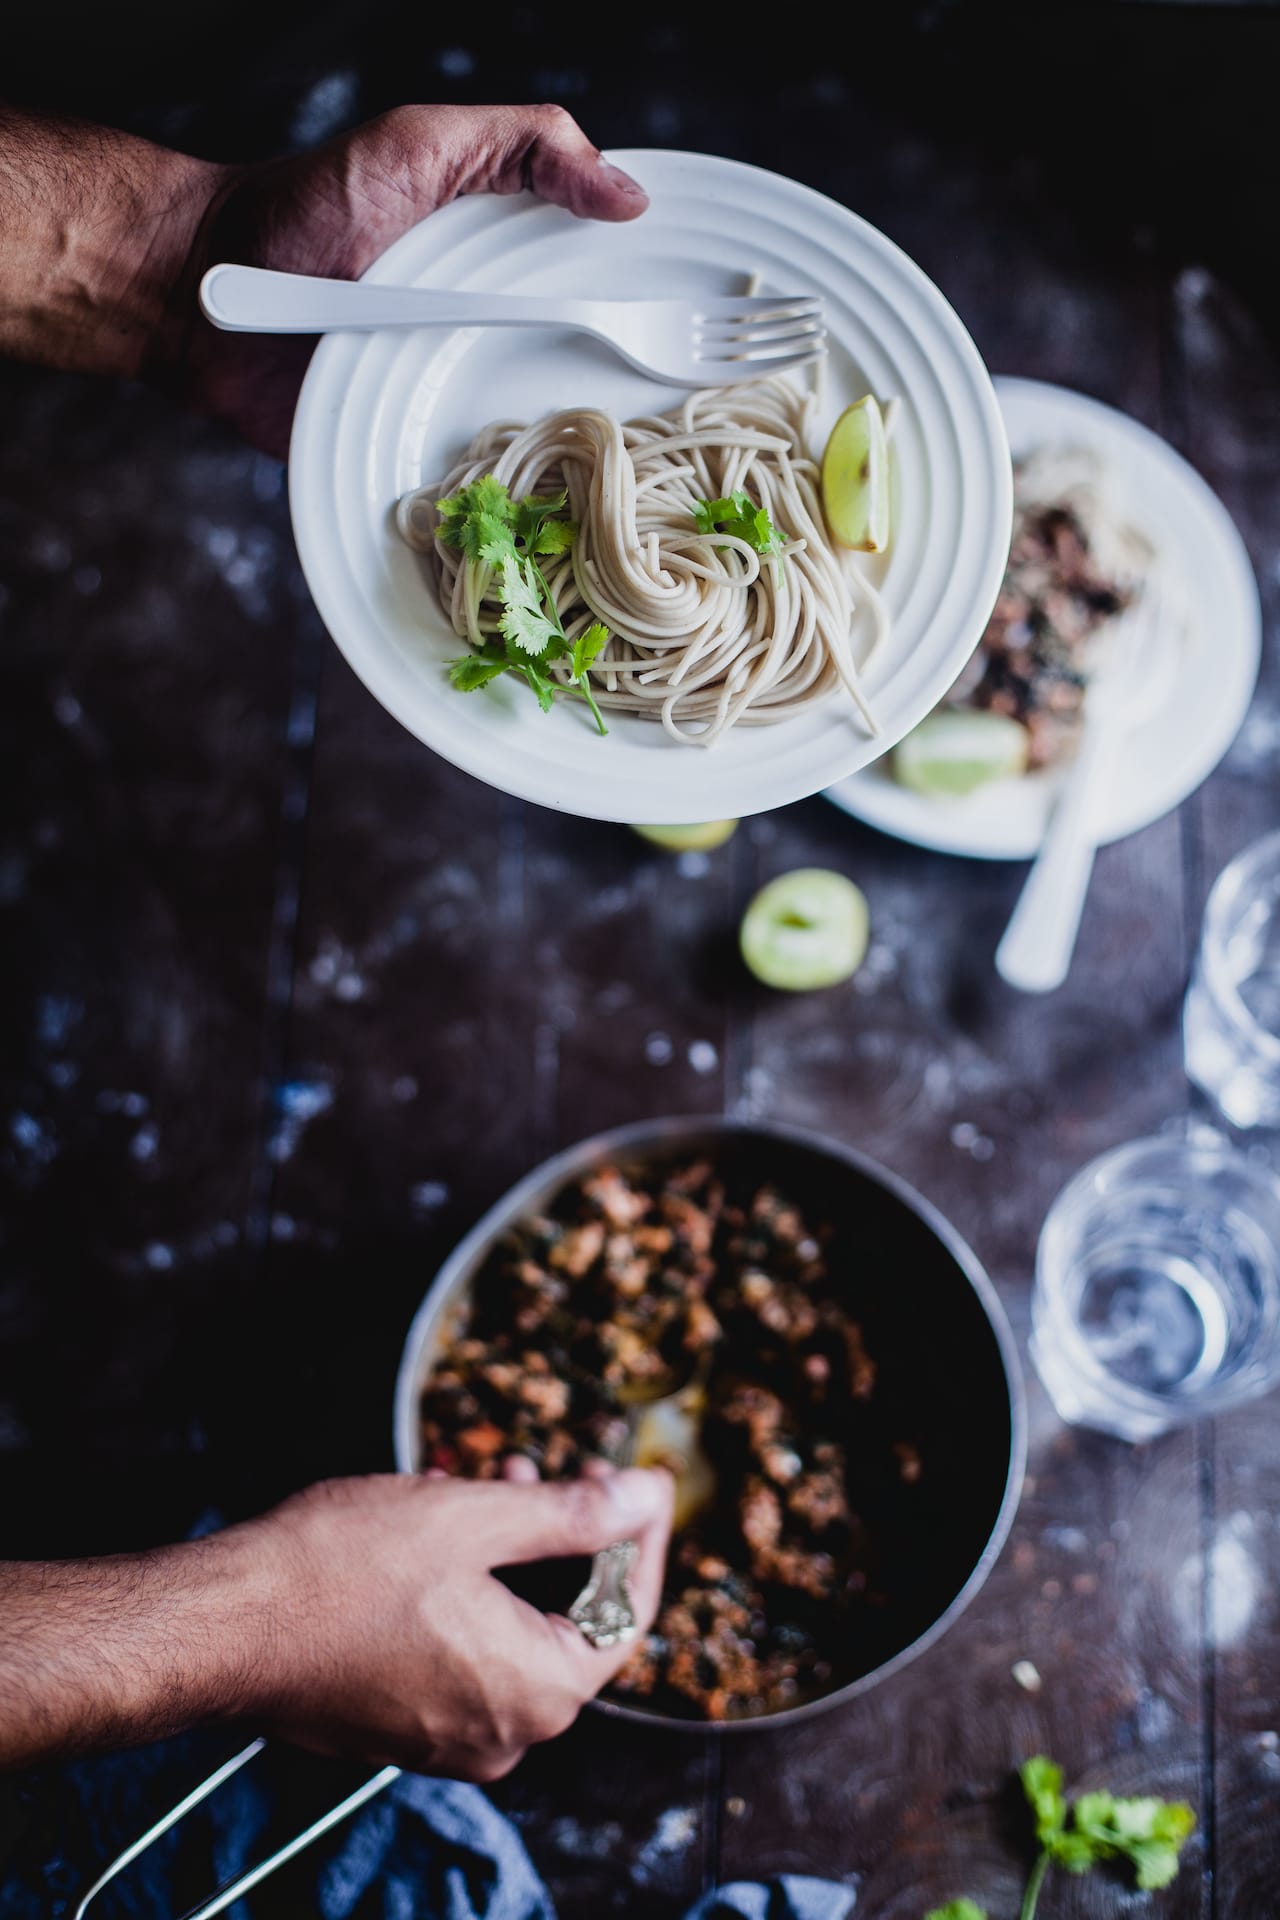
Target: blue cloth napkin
<point>792,1896</point>
<point>423,1850</point>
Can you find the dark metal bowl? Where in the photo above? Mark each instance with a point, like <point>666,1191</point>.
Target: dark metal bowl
<point>961,1392</point>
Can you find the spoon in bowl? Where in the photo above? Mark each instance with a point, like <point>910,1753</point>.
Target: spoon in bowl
<point>662,1431</point>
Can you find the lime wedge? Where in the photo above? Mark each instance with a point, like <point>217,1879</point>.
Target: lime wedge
<point>697,839</point>
<point>805,929</point>
<point>956,750</point>
<point>855,478</point>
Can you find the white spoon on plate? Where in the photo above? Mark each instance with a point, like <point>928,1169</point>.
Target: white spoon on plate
<point>1035,951</point>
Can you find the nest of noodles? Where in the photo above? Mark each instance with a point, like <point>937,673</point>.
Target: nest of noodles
<point>704,633</point>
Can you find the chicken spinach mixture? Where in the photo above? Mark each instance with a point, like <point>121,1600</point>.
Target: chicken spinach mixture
<point>633,1288</point>
<point>1033,661</point>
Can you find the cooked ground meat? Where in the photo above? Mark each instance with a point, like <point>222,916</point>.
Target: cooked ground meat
<point>1033,661</point>
<point>632,1283</point>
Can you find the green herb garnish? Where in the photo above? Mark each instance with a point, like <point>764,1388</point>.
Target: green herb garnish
<point>506,538</point>
<point>1148,1833</point>
<point>739,517</point>
<point>476,670</point>
<point>523,621</point>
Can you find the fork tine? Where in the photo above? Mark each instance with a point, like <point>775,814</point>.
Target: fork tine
<point>810,346</point>
<point>757,307</point>
<point>725,333</point>
<point>759,336</point>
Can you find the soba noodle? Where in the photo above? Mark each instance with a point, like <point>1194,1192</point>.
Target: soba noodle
<point>704,633</point>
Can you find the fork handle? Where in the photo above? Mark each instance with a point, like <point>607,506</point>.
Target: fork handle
<point>259,300</point>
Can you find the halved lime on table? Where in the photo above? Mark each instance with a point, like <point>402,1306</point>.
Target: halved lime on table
<point>855,478</point>
<point>959,749</point>
<point>806,929</point>
<point>693,839</point>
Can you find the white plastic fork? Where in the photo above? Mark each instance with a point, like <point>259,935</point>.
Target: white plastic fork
<point>1035,951</point>
<point>687,343</point>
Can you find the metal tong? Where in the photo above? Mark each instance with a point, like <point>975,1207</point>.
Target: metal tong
<point>243,1882</point>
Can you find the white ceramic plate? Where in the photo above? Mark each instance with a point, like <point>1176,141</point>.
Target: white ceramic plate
<point>385,412</point>
<point>1166,757</point>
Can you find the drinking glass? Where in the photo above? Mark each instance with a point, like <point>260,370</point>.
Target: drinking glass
<point>1157,1289</point>
<point>1231,1016</point>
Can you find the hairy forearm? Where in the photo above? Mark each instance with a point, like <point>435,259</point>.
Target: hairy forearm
<point>111,1652</point>
<point>96,232</point>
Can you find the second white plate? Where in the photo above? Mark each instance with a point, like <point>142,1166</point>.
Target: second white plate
<point>1168,755</point>
<point>385,412</point>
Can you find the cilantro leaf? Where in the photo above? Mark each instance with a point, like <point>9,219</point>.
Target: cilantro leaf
<point>485,537</point>
<point>561,643</point>
<point>1155,1864</point>
<point>710,514</point>
<point>487,495</point>
<point>1042,1783</point>
<point>587,647</point>
<point>1147,1832</point>
<point>485,498</point>
<point>583,651</point>
<point>1172,1822</point>
<point>739,517</point>
<point>538,527</point>
<point>1095,1812</point>
<point>533,511</point>
<point>523,621</point>
<point>1074,1851</point>
<point>482,522</point>
<point>474,671</point>
<point>542,683</point>
<point>764,536</point>
<point>555,536</point>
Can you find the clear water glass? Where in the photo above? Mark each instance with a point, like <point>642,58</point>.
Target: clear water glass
<point>1231,1016</point>
<point>1157,1290</point>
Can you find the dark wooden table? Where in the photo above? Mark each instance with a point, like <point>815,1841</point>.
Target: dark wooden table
<point>288,1001</point>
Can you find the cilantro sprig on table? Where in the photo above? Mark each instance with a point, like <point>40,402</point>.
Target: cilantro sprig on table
<point>740,517</point>
<point>1146,1832</point>
<point>508,538</point>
